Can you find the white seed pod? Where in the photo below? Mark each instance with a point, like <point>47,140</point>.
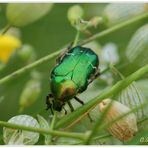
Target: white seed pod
<point>21,137</point>
<point>138,47</point>
<point>116,13</point>
<point>19,14</point>
<point>133,97</point>
<point>30,93</point>
<point>125,128</point>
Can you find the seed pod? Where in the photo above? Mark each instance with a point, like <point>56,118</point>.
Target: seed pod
<point>27,53</point>
<point>30,93</point>
<point>23,14</point>
<point>21,137</point>
<point>116,13</point>
<point>138,47</point>
<point>123,129</point>
<point>75,13</point>
<point>133,97</point>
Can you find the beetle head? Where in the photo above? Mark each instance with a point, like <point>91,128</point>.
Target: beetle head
<point>53,104</point>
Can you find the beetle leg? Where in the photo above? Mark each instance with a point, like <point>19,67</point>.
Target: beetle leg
<point>81,102</point>
<point>94,77</point>
<point>58,60</point>
<point>49,104</point>
<point>70,105</point>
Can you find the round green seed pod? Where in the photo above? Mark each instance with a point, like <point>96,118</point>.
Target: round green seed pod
<point>27,53</point>
<point>30,93</point>
<point>116,13</point>
<point>137,49</point>
<point>19,14</point>
<point>18,136</point>
<point>75,13</point>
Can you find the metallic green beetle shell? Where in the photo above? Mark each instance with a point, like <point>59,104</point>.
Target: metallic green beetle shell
<point>72,73</point>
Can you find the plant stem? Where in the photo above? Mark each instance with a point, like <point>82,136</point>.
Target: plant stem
<point>115,70</point>
<point>115,28</point>
<point>53,120</point>
<point>43,130</point>
<point>28,67</point>
<point>47,58</point>
<point>7,27</point>
<point>108,93</point>
<point>98,122</point>
<point>76,38</point>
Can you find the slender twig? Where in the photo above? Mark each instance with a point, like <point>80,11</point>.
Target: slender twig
<point>28,67</point>
<point>98,122</point>
<point>43,130</point>
<point>76,38</point>
<point>47,58</point>
<point>8,26</point>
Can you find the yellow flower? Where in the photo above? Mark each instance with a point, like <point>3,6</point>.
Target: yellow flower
<point>8,44</point>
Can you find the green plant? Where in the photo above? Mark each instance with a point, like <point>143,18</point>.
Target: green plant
<point>61,125</point>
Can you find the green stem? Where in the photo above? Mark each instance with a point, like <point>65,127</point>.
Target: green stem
<point>98,122</point>
<point>76,38</point>
<point>115,70</point>
<point>108,93</point>
<point>43,130</point>
<point>28,67</point>
<point>53,120</point>
<point>47,58</point>
<point>7,27</point>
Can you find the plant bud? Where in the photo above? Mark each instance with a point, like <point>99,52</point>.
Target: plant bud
<point>18,136</point>
<point>123,129</point>
<point>137,49</point>
<point>30,93</point>
<point>75,13</point>
<point>19,14</point>
<point>95,21</point>
<point>116,13</point>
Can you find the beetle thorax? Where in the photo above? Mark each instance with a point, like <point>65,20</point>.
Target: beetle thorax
<point>63,89</point>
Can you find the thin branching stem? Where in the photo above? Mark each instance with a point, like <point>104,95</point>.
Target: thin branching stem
<point>115,28</point>
<point>44,131</point>
<point>8,26</point>
<point>48,57</point>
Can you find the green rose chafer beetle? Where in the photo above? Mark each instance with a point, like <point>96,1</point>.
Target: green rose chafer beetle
<point>74,71</point>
